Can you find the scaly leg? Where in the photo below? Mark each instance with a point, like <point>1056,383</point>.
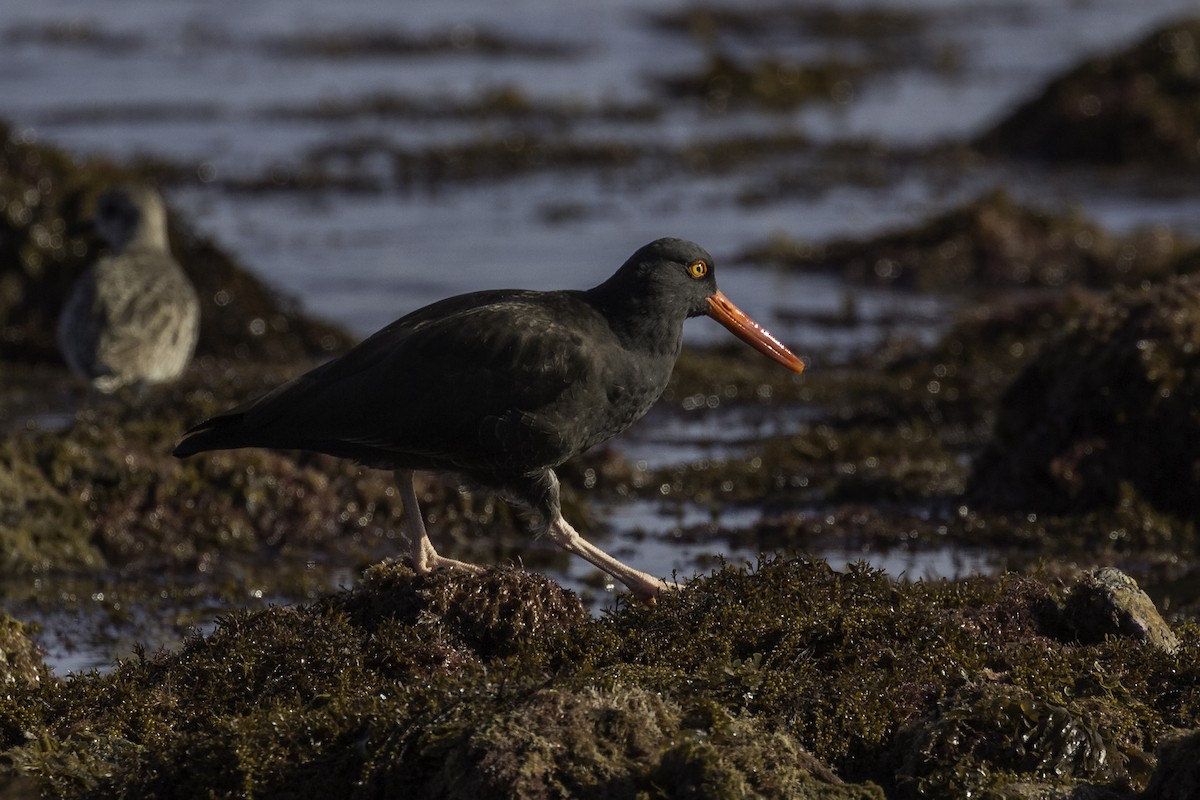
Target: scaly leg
<point>644,586</point>
<point>424,558</point>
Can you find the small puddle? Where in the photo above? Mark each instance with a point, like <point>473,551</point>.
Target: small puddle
<point>650,536</point>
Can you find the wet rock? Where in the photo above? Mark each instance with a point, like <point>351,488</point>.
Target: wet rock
<point>991,242</point>
<point>1107,602</point>
<point>1177,776</point>
<point>46,195</point>
<point>1135,106</point>
<point>1105,415</point>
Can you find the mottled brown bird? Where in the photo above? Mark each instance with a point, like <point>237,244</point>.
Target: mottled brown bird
<point>133,317</point>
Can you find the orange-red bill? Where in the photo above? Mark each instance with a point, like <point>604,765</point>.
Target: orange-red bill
<point>750,332</point>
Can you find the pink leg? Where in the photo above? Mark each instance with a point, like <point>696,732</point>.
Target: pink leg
<point>424,558</point>
<point>645,587</point>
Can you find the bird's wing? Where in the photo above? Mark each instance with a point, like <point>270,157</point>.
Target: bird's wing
<point>466,379</point>
<point>144,299</point>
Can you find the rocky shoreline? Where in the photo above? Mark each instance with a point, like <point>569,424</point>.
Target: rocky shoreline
<point>1053,422</point>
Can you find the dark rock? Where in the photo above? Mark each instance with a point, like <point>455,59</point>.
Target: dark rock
<point>1138,105</point>
<point>1105,414</point>
<point>1177,776</point>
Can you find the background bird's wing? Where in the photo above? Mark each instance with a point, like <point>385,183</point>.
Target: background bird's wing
<point>146,299</point>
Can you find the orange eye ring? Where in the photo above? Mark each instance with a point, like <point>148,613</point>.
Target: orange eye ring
<point>698,269</point>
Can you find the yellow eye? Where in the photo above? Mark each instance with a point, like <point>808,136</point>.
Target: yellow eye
<point>697,269</point>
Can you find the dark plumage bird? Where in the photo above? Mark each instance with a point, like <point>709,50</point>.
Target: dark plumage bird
<point>500,387</point>
<point>133,317</point>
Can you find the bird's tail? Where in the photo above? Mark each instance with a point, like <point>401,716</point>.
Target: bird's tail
<point>225,432</point>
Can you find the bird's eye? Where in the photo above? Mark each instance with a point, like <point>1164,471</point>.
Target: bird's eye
<point>697,269</point>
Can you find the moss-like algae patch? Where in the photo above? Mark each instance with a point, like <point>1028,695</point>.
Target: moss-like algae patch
<point>785,680</point>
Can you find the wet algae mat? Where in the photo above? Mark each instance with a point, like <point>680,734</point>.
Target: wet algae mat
<point>786,680</point>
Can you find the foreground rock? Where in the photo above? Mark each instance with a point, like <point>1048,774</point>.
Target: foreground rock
<point>790,680</point>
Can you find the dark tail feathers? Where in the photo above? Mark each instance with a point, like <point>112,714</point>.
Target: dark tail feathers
<point>219,433</point>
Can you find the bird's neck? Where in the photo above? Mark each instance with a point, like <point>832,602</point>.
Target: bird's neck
<point>149,234</point>
<point>638,320</point>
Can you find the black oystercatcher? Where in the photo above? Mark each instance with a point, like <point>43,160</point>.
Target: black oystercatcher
<point>500,387</point>
<point>133,317</point>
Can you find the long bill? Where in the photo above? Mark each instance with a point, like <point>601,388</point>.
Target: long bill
<point>750,332</point>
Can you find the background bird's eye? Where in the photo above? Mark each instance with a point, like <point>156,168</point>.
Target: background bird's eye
<point>697,269</point>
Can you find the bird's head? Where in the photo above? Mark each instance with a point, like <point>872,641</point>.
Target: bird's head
<point>675,274</point>
<point>131,216</point>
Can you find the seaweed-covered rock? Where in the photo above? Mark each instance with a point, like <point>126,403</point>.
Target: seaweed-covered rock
<point>1138,105</point>
<point>22,672</point>
<point>626,742</point>
<point>1106,413</point>
<point>492,613</point>
<point>992,241</point>
<point>39,525</point>
<point>45,196</point>
<point>770,82</point>
<point>765,683</point>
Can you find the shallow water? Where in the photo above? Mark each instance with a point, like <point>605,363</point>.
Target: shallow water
<point>218,86</point>
<point>193,82</point>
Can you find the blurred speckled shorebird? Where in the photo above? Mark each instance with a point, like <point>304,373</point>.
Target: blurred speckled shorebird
<point>500,387</point>
<point>133,317</point>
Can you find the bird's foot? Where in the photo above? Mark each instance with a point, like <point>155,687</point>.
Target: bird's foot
<point>426,560</point>
<point>648,591</point>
